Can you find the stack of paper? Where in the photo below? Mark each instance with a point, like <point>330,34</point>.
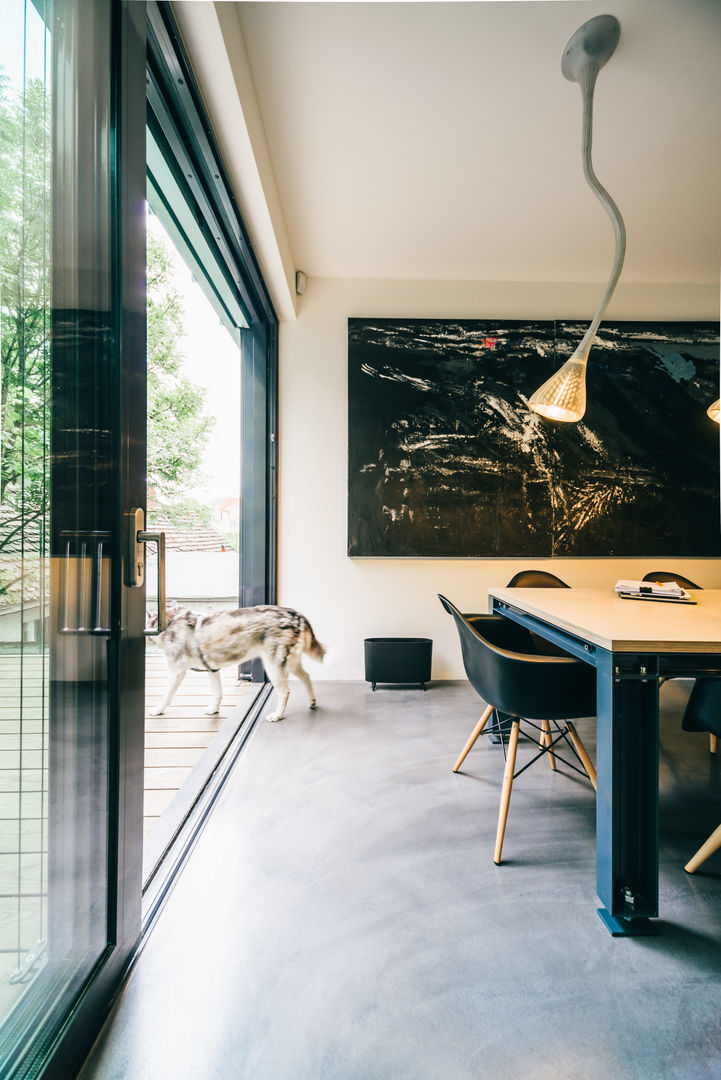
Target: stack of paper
<point>652,590</point>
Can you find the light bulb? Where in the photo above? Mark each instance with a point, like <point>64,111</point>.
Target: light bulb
<point>714,411</point>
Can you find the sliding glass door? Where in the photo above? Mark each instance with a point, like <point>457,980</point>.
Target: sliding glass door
<point>211,437</point>
<point>74,377</point>
<point>72,332</point>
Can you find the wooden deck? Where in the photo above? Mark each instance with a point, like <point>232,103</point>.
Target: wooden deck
<point>23,815</point>
<point>174,745</point>
<point>176,741</point>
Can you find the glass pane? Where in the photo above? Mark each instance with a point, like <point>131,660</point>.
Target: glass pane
<point>194,481</point>
<point>24,446</point>
<point>58,490</point>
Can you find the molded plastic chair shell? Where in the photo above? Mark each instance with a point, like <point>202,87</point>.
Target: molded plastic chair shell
<point>536,579</point>
<point>505,668</point>
<point>703,709</point>
<point>539,579</point>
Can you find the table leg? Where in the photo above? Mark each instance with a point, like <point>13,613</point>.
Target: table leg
<point>627,796</point>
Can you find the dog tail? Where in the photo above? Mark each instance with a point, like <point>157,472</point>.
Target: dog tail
<point>312,646</point>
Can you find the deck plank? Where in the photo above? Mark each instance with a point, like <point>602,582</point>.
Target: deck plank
<point>174,742</point>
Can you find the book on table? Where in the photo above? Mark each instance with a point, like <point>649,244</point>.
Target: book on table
<point>670,591</point>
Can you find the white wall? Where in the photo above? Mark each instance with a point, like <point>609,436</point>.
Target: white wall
<point>350,599</point>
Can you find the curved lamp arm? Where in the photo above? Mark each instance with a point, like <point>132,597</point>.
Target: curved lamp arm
<point>619,229</point>
<point>563,396</point>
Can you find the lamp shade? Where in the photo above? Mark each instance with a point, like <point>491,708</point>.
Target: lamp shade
<point>714,411</point>
<point>563,396</point>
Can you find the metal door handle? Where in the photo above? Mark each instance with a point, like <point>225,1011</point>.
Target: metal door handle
<point>135,563</point>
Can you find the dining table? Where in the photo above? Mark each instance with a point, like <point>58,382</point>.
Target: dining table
<point>634,645</point>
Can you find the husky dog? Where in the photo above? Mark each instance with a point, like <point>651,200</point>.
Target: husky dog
<point>278,635</point>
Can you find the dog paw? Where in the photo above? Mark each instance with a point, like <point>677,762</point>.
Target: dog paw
<point>155,712</point>
<point>272,717</point>
<point>210,711</point>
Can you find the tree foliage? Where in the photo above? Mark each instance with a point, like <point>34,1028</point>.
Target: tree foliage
<point>178,426</point>
<point>24,311</point>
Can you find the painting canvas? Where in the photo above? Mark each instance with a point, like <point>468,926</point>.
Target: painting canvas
<point>446,459</point>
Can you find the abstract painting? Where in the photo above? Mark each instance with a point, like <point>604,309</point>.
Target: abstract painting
<point>445,458</point>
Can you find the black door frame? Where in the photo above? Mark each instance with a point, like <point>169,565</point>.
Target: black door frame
<point>56,1049</point>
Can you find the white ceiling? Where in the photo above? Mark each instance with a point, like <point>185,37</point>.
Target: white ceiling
<point>440,140</point>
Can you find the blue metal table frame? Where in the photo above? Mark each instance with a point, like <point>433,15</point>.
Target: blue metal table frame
<point>627,766</point>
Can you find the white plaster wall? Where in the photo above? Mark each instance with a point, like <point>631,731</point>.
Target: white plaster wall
<point>350,599</point>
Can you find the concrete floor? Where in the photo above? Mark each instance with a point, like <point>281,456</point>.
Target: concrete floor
<point>341,917</point>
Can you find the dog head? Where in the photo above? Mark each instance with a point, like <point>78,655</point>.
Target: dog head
<point>180,625</point>
<point>173,612</point>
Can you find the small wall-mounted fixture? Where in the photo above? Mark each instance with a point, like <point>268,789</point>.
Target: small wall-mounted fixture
<point>300,282</point>
<point>714,411</point>
<point>563,396</point>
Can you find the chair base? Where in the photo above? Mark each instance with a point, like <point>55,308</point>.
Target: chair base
<point>707,849</point>
<point>567,733</point>
<point>628,927</point>
<point>473,736</point>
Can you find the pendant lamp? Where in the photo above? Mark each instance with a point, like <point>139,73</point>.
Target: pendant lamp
<point>563,396</point>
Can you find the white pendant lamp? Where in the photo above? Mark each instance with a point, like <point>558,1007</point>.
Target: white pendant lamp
<point>563,396</point>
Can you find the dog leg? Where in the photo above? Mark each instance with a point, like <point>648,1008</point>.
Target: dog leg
<point>279,677</point>
<point>216,686</point>
<point>175,678</point>
<point>299,671</point>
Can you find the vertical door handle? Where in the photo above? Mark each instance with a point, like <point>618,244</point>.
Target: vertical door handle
<point>135,563</point>
<point>83,600</point>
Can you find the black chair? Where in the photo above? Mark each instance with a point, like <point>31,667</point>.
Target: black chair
<point>703,713</point>
<point>685,583</point>
<point>540,579</point>
<point>506,670</point>
<point>524,579</point>
<point>536,579</point>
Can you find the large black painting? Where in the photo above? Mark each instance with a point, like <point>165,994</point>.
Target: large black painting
<point>445,458</point>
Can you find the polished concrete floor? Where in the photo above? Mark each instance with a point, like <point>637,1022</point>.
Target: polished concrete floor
<point>341,917</point>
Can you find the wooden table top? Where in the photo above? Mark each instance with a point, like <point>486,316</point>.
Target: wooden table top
<point>601,617</point>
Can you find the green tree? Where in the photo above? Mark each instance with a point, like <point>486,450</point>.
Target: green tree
<point>178,426</point>
<point>24,312</point>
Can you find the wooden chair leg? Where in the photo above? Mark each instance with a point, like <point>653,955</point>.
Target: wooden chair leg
<point>506,789</point>
<point>582,753</point>
<point>473,736</point>
<point>712,844</point>
<point>711,743</point>
<point>546,740</point>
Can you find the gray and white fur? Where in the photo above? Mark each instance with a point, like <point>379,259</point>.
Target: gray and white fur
<point>278,635</point>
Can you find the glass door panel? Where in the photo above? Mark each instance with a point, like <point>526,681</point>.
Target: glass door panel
<point>24,481</point>
<point>195,323</point>
<point>61,592</point>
